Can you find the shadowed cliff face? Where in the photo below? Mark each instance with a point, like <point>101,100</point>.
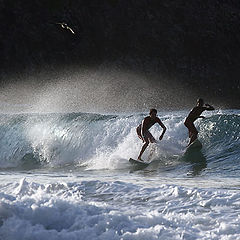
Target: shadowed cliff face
<point>181,50</point>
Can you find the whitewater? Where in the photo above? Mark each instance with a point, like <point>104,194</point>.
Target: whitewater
<point>67,176</point>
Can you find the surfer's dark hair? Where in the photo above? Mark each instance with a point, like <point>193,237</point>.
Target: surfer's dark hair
<point>152,110</point>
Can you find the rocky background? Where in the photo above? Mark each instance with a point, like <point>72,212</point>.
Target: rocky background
<point>195,43</point>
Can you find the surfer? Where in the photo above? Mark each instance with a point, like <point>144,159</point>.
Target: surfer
<point>194,115</point>
<point>143,130</point>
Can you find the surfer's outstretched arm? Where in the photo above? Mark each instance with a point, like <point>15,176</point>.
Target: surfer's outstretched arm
<point>207,108</point>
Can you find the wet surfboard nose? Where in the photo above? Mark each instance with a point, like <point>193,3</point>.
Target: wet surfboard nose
<point>138,162</point>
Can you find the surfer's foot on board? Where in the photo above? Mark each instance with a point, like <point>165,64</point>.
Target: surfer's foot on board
<point>192,139</point>
<point>139,159</point>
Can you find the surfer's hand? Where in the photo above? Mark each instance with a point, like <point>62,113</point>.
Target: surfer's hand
<point>160,138</point>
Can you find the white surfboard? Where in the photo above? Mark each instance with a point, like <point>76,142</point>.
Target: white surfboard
<point>137,162</point>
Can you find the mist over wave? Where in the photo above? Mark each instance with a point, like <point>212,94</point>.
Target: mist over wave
<point>181,43</point>
<point>67,176</point>
<point>95,141</point>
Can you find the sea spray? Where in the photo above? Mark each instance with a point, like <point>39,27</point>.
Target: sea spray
<point>107,141</point>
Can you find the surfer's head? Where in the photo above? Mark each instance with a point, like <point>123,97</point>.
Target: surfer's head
<point>200,102</point>
<point>153,112</point>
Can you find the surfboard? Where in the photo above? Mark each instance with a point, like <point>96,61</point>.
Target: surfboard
<point>195,145</point>
<point>137,162</point>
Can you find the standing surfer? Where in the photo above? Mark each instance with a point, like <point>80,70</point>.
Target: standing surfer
<point>194,115</point>
<point>143,130</point>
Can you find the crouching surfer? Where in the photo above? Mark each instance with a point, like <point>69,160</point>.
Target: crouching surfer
<point>193,116</point>
<point>143,130</point>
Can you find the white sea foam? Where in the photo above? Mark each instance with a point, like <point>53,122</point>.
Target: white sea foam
<point>116,210</point>
<point>81,186</point>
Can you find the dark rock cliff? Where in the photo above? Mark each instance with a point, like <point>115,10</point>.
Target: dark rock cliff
<point>197,43</point>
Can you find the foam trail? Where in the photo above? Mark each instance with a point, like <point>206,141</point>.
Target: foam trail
<point>115,210</point>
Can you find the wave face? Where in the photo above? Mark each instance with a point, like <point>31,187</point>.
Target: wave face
<point>95,141</point>
<point>67,176</point>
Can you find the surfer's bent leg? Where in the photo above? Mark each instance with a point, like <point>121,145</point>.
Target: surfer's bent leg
<point>191,130</point>
<point>143,149</point>
<point>151,138</point>
<point>138,129</point>
<point>147,138</point>
<point>194,134</point>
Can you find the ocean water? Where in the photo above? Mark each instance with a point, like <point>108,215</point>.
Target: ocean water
<point>67,176</point>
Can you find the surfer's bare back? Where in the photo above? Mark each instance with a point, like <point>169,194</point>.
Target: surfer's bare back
<point>143,130</point>
<point>194,114</point>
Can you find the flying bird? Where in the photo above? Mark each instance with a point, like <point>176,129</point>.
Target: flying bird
<point>65,26</point>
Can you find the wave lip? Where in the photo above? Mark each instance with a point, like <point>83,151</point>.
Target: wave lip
<point>94,141</point>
